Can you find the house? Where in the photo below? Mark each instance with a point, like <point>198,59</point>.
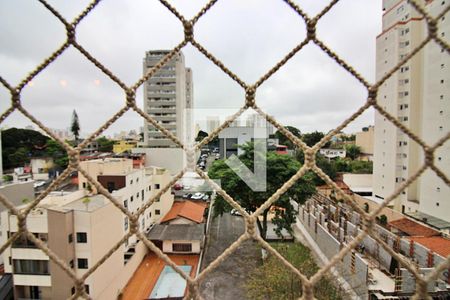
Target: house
<point>332,153</point>
<point>178,238</point>
<point>40,167</point>
<point>124,145</point>
<point>185,212</point>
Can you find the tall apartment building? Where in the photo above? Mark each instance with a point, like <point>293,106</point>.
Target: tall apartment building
<point>166,96</point>
<point>81,227</point>
<point>419,96</point>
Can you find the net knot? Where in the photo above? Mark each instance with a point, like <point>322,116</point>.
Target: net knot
<point>188,30</point>
<point>250,96</point>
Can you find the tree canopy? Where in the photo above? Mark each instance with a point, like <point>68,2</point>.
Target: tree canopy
<point>104,144</point>
<point>352,151</point>
<point>280,168</point>
<point>75,125</point>
<point>201,135</point>
<point>19,145</point>
<point>283,140</point>
<point>313,138</point>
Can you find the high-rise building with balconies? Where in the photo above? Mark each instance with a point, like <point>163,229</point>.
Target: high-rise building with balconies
<point>418,95</point>
<point>167,95</point>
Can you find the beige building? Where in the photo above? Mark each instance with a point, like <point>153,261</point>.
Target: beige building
<point>418,96</point>
<point>81,227</point>
<point>40,166</point>
<point>167,95</point>
<point>364,140</point>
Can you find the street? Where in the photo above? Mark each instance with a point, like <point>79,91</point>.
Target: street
<point>228,279</point>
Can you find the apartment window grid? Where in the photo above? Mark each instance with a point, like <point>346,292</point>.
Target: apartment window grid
<point>250,102</point>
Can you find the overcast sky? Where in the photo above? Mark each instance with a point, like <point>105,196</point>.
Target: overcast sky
<point>310,92</point>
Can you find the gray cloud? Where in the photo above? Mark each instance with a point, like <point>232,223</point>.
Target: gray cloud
<point>310,92</point>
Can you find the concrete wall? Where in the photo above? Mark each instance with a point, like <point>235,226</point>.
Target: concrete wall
<point>389,213</point>
<point>125,274</point>
<point>172,159</point>
<point>60,225</point>
<point>330,246</point>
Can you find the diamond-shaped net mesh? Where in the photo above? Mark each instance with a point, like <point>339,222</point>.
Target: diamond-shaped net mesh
<point>250,102</point>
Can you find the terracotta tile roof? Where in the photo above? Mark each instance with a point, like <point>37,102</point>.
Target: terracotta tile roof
<point>412,228</point>
<point>186,209</point>
<point>436,244</point>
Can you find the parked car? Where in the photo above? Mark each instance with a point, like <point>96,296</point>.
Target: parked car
<point>187,196</point>
<point>186,187</point>
<point>215,150</point>
<point>197,196</point>
<point>204,155</point>
<point>205,198</point>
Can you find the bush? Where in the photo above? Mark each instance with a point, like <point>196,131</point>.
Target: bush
<point>272,280</point>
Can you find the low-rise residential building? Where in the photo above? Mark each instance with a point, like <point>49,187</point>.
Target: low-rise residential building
<point>41,166</point>
<point>232,137</point>
<point>364,140</point>
<point>124,145</point>
<point>185,212</point>
<point>81,227</point>
<point>332,153</point>
<point>178,238</point>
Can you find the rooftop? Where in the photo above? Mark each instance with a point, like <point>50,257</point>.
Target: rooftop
<point>186,209</point>
<point>412,228</point>
<point>146,275</point>
<point>430,220</point>
<point>436,244</point>
<point>176,232</point>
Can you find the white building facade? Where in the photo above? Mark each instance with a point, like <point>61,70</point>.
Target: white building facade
<point>167,95</point>
<point>418,96</point>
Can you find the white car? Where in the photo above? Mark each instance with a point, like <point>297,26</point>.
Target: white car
<point>197,196</point>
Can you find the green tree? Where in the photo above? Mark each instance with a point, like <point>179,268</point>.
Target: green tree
<point>361,167</point>
<point>328,167</point>
<point>24,141</point>
<point>283,140</point>
<point>352,151</point>
<point>279,169</point>
<point>19,157</point>
<point>59,154</point>
<point>201,135</point>
<point>313,138</point>
<point>75,126</point>
<point>104,144</point>
<point>272,280</point>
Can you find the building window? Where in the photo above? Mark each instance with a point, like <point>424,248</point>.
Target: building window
<point>73,290</point>
<point>157,186</point>
<point>131,181</point>
<point>81,237</point>
<point>131,198</point>
<point>70,238</point>
<point>125,225</point>
<point>149,187</point>
<point>442,80</point>
<point>125,203</point>
<point>142,195</point>
<point>438,189</point>
<point>181,247</point>
<point>437,203</point>
<point>71,263</point>
<point>157,212</point>
<point>82,263</point>
<point>86,288</point>
<point>31,267</point>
